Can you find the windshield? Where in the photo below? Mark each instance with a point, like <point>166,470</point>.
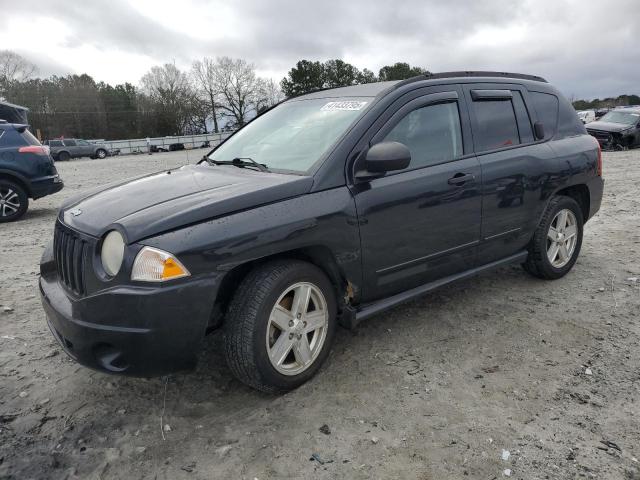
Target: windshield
<point>625,118</point>
<point>294,135</point>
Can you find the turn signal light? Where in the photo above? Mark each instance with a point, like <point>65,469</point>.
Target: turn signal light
<point>155,265</point>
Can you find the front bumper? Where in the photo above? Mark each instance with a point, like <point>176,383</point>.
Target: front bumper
<point>129,330</point>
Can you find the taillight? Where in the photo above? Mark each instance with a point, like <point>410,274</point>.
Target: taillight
<point>37,149</point>
<point>599,167</point>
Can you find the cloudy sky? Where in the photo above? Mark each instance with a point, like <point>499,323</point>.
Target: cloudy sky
<point>588,48</point>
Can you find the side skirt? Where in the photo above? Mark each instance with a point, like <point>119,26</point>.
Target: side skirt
<point>355,316</point>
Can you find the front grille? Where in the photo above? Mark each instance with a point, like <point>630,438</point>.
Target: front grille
<point>70,252</point>
<point>600,135</point>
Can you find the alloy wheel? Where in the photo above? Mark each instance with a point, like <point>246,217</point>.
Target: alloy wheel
<point>297,328</point>
<point>9,202</point>
<point>562,238</point>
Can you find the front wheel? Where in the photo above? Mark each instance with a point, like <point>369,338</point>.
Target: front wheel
<point>557,241</point>
<point>280,325</point>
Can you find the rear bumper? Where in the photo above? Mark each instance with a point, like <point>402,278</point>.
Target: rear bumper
<point>596,189</point>
<point>129,330</point>
<point>42,187</point>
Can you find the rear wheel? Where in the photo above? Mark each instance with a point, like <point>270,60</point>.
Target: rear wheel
<point>557,241</point>
<point>101,153</point>
<point>14,201</point>
<point>280,325</point>
<point>64,156</point>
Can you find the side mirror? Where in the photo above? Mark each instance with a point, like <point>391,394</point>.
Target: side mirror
<point>384,157</point>
<point>538,130</point>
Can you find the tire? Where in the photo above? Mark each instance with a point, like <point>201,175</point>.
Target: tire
<point>14,201</point>
<point>252,336</point>
<point>64,156</point>
<point>538,262</point>
<point>101,153</point>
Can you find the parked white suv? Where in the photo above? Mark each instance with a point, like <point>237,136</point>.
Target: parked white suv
<point>587,116</point>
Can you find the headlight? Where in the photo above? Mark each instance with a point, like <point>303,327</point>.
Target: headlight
<point>112,253</point>
<point>155,265</point>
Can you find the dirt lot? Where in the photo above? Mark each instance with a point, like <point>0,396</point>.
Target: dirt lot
<point>438,388</point>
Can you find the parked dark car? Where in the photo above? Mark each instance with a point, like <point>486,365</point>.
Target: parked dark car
<point>618,129</point>
<point>68,148</point>
<point>329,208</point>
<point>174,147</point>
<point>26,171</point>
<point>158,149</point>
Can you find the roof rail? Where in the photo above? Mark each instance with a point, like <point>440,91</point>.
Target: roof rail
<point>522,76</point>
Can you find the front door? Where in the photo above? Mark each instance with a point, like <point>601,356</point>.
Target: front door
<point>421,223</point>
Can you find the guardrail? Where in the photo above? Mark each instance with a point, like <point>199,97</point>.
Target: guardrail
<point>139,145</point>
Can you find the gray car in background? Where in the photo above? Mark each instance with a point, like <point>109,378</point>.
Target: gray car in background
<point>68,148</point>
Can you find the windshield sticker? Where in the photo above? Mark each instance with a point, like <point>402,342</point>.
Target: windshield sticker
<point>348,105</point>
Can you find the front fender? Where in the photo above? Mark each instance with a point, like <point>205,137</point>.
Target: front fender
<point>326,219</point>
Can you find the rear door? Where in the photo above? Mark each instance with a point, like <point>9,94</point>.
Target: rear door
<point>85,148</point>
<point>513,167</point>
<point>72,147</point>
<point>422,223</point>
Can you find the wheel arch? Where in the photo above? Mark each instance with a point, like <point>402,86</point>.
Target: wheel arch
<point>580,193</point>
<point>319,255</point>
<point>19,179</point>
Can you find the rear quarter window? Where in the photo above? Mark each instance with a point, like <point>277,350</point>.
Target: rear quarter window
<point>569,124</point>
<point>29,139</point>
<point>546,107</point>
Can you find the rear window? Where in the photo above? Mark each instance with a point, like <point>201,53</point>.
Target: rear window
<point>546,107</point>
<point>55,143</point>
<point>497,127</point>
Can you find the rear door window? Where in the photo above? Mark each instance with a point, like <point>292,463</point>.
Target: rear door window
<point>70,143</point>
<point>496,125</point>
<point>55,143</point>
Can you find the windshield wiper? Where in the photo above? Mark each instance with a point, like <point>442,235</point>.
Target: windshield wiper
<point>242,162</point>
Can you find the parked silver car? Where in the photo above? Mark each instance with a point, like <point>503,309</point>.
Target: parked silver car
<point>65,149</point>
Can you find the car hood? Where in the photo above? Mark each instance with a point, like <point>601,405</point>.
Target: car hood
<point>146,206</point>
<point>607,126</point>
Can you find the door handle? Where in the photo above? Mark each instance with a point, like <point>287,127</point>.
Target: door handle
<point>461,178</point>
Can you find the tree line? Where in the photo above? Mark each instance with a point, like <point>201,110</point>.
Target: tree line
<point>214,94</point>
<point>619,101</point>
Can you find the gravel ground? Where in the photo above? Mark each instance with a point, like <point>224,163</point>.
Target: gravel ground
<point>500,375</point>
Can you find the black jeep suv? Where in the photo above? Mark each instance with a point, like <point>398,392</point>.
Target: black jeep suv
<point>329,208</point>
<point>26,171</point>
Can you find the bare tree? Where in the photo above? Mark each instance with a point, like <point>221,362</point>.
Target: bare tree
<point>268,95</point>
<point>203,73</point>
<point>239,88</point>
<point>170,89</point>
<point>15,68</point>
